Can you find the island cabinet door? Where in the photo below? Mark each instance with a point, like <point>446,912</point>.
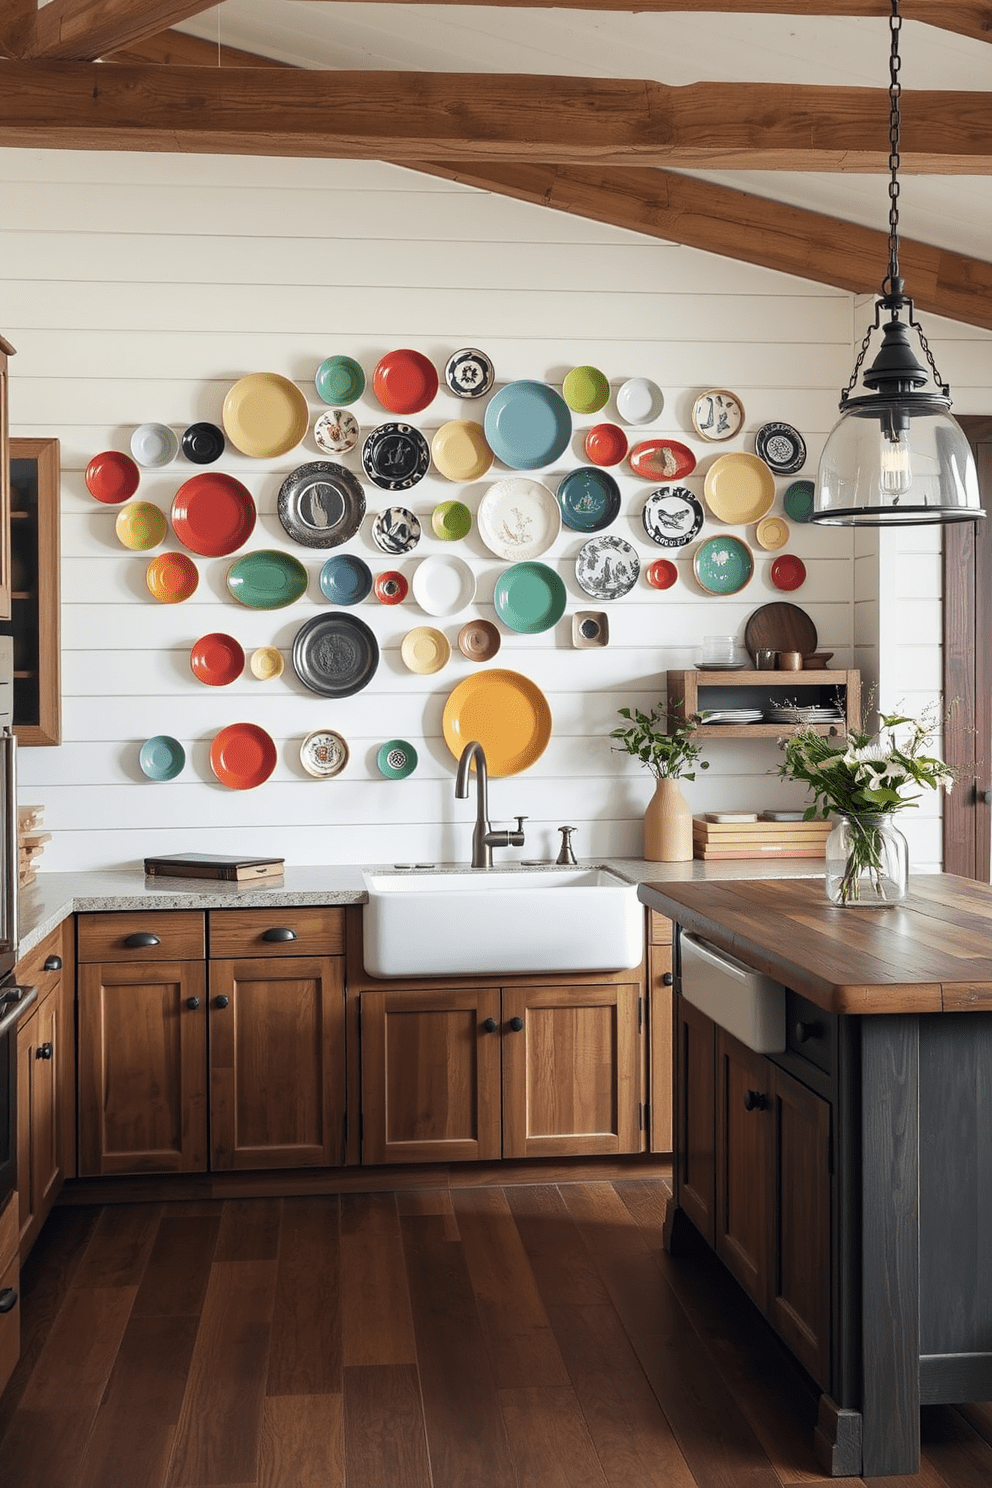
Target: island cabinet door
<point>430,1075</point>
<point>745,1150</point>
<point>694,1137</point>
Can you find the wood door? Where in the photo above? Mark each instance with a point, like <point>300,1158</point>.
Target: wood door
<point>694,1138</point>
<point>571,1071</point>
<point>799,1293</point>
<point>430,1075</point>
<point>277,1071</point>
<point>660,1013</point>
<point>744,1153</point>
<point>142,1068</point>
<point>40,1052</point>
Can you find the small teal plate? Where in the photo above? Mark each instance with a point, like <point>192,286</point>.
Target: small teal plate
<point>397,759</point>
<point>340,381</point>
<point>528,424</point>
<point>162,757</point>
<point>589,499</point>
<point>345,579</point>
<point>267,579</point>
<point>723,565</point>
<point>798,500</point>
<point>529,597</point>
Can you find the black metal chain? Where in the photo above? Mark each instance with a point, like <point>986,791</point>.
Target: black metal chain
<point>895,92</point>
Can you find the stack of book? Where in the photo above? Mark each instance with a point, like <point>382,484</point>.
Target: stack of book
<point>227,868</point>
<point>30,841</point>
<point>758,839</point>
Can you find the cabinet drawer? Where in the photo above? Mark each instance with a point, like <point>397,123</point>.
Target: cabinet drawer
<point>30,970</point>
<point>178,935</point>
<point>276,932</point>
<point>810,1033</point>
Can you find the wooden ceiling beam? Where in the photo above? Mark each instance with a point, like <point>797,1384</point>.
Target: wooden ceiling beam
<point>82,30</point>
<point>470,116</point>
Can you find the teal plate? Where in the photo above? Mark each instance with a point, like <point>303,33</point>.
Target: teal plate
<point>723,565</point>
<point>798,500</point>
<point>396,759</point>
<point>528,425</point>
<point>162,757</point>
<point>267,579</point>
<point>340,380</point>
<point>345,579</point>
<point>589,499</point>
<point>529,597</point>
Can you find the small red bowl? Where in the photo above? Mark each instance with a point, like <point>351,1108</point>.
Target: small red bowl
<point>390,587</point>
<point>605,444</point>
<point>112,477</point>
<point>661,574</point>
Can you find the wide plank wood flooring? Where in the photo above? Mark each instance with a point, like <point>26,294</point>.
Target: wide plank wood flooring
<point>459,1337</point>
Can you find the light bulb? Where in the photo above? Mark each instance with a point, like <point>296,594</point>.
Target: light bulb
<point>895,470</point>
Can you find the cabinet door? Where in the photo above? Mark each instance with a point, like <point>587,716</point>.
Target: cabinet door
<point>142,1068</point>
<point>430,1075</point>
<point>35,614</point>
<point>39,1171</point>
<point>695,1135</point>
<point>277,1062</point>
<point>10,1307</point>
<point>660,999</point>
<point>745,1149</point>
<point>571,1071</point>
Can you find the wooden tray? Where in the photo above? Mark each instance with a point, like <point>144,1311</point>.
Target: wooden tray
<point>780,627</point>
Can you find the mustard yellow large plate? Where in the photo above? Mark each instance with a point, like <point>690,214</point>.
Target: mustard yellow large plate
<point>460,452</point>
<point>739,488</point>
<point>507,713</point>
<point>265,415</point>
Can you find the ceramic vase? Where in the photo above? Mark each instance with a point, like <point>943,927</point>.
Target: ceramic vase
<point>668,825</point>
<point>867,862</point>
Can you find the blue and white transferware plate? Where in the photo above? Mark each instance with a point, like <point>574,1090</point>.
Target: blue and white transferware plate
<point>396,456</point>
<point>607,567</point>
<point>469,373</point>
<point>528,424</point>
<point>672,516</point>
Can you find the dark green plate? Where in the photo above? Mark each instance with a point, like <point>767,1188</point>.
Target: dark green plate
<point>267,579</point>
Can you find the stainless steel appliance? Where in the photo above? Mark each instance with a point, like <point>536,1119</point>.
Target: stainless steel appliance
<point>14,1000</point>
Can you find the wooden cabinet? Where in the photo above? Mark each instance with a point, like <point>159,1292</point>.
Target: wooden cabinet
<point>34,621</point>
<point>6,352</point>
<point>660,1000</point>
<point>10,1281</point>
<point>692,692</point>
<point>744,1191</point>
<point>45,1080</point>
<point>694,1135</point>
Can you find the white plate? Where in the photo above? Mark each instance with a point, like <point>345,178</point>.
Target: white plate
<point>639,400</point>
<point>443,586</point>
<point>518,518</point>
<point>154,444</point>
<point>336,432</point>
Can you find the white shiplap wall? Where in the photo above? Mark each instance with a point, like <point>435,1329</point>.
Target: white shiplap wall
<point>140,287</point>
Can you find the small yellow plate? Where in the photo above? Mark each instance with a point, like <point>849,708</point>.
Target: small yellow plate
<point>460,451</point>
<point>425,650</point>
<point>265,415</point>
<point>772,532</point>
<point>141,526</point>
<point>266,663</point>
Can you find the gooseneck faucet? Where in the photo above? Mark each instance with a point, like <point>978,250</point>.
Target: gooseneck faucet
<point>484,839</point>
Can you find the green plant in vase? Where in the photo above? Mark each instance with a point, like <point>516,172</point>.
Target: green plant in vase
<point>671,754</point>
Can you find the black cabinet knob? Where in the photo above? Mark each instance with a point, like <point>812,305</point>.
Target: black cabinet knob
<point>54,963</point>
<point>804,1031</point>
<point>192,1003</point>
<point>43,1051</point>
<point>490,1025</point>
<point>279,932</point>
<point>8,1300</point>
<point>517,1024</point>
<point>141,940</point>
<point>667,979</point>
<point>221,1002</point>
<point>755,1100</point>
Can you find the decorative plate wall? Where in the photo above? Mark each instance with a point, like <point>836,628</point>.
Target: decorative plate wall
<point>607,567</point>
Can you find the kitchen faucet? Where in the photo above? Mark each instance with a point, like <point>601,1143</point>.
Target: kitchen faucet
<point>484,839</point>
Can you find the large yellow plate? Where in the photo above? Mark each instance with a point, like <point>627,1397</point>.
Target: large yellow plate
<point>265,415</point>
<point>460,452</point>
<point>739,488</point>
<point>507,713</point>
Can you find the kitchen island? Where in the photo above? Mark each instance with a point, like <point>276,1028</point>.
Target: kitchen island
<point>846,1181</point>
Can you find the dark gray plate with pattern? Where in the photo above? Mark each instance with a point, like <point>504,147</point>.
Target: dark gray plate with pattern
<point>321,504</point>
<point>335,655</point>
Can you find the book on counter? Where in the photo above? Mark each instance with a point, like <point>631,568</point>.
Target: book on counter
<point>231,868</point>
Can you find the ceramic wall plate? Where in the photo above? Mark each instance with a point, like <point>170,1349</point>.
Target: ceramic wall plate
<point>460,452</point>
<point>395,457</point>
<point>213,514</point>
<point>528,424</point>
<point>589,499</point>
<point>154,444</point>
<point>266,663</point>
<point>586,389</point>
<point>451,521</point>
<point>662,460</point>
<point>479,640</point>
<point>607,567</point>
<point>469,373</point>
<point>799,500</point>
<point>590,628</point>
<point>780,627</point>
<point>171,578</point>
<point>112,477</point>
<point>661,574</point>
<point>605,444</point>
<point>345,579</point>
<point>739,488</point>
<point>217,659</point>
<point>335,655</point>
<point>336,432</point>
<point>396,530</point>
<point>443,586</point>
<point>788,572</point>
<point>265,415</point>
<point>339,380</point>
<point>672,516</point>
<point>396,759</point>
<point>162,757</point>
<point>321,504</point>
<point>717,415</point>
<point>267,579</point>
<point>141,526</point>
<point>405,381</point>
<point>518,518</point>
<point>324,754</point>
<point>242,756</point>
<point>425,650</point>
<point>506,712</point>
<point>390,588</point>
<point>771,533</point>
<point>639,400</point>
<point>530,598</point>
<point>723,565</point>
<point>203,443</point>
<point>782,448</point>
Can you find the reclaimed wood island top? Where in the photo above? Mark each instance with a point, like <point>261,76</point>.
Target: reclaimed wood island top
<point>931,954</point>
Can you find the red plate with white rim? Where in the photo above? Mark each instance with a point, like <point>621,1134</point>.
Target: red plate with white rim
<point>788,572</point>
<point>112,477</point>
<point>405,381</point>
<point>662,460</point>
<point>213,514</point>
<point>217,659</point>
<point>242,756</point>
<point>661,574</point>
<point>605,444</point>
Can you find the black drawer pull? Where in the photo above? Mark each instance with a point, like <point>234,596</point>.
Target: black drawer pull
<point>140,940</point>
<point>490,1025</point>
<point>517,1024</point>
<point>192,1003</point>
<point>279,932</point>
<point>8,1300</point>
<point>54,963</point>
<point>667,979</point>
<point>804,1031</point>
<point>43,1051</point>
<point>755,1100</point>
<point>221,1002</point>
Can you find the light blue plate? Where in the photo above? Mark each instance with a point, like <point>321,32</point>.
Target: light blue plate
<point>162,757</point>
<point>528,424</point>
<point>345,579</point>
<point>529,597</point>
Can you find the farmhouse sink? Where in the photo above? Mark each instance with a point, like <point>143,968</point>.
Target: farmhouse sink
<point>507,921</point>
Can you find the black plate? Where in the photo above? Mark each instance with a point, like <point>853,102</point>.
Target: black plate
<point>321,504</point>
<point>782,448</point>
<point>203,443</point>
<point>396,456</point>
<point>335,655</point>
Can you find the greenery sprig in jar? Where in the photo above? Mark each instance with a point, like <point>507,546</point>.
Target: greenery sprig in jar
<point>671,755</point>
<point>864,782</point>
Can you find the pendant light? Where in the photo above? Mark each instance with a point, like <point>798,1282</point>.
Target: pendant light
<point>896,456</point>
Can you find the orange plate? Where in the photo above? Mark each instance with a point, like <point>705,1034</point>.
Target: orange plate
<point>507,713</point>
<point>405,381</point>
<point>112,477</point>
<point>172,577</point>
<point>217,659</point>
<point>242,756</point>
<point>213,514</point>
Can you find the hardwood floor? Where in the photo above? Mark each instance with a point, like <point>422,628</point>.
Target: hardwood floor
<point>520,1337</point>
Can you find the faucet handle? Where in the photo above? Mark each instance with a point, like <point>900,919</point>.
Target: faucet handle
<point>520,823</point>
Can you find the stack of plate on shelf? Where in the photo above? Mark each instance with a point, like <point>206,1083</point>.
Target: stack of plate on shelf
<point>758,839</point>
<point>731,715</point>
<point>797,714</point>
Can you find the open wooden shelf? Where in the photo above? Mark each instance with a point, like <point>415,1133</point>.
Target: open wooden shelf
<point>690,692</point>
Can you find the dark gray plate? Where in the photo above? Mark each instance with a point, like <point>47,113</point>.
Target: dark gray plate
<point>321,504</point>
<point>335,655</point>
<point>396,456</point>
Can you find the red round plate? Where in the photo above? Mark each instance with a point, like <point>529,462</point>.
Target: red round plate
<point>391,587</point>
<point>405,381</point>
<point>661,574</point>
<point>605,444</point>
<point>788,572</point>
<point>217,659</point>
<point>112,477</point>
<point>242,756</point>
<point>213,514</point>
<point>662,460</point>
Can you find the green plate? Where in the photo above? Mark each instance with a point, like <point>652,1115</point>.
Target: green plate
<point>340,380</point>
<point>529,597</point>
<point>798,500</point>
<point>589,499</point>
<point>267,579</point>
<point>723,565</point>
<point>586,390</point>
<point>451,520</point>
<point>397,759</point>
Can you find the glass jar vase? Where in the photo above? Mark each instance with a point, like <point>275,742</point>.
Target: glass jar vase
<point>867,861</point>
